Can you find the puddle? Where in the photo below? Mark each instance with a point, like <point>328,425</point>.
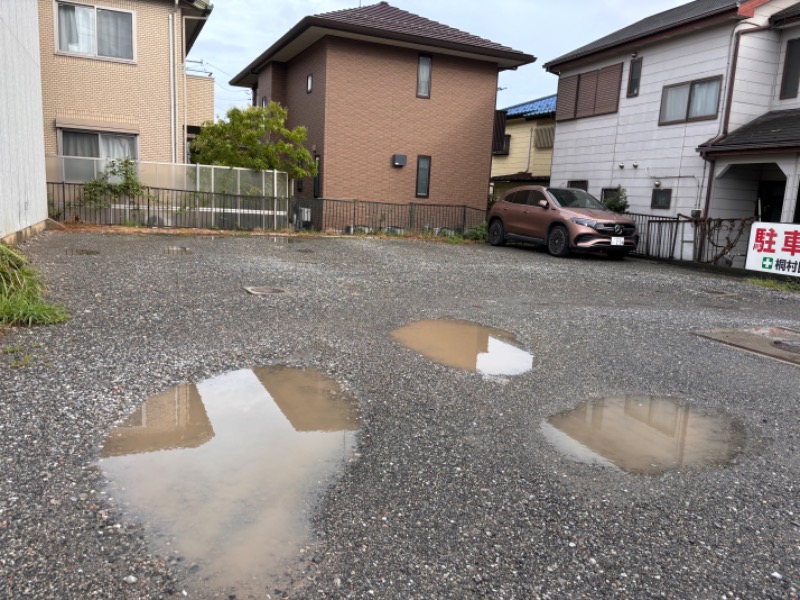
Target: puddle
<point>645,434</point>
<point>224,473</point>
<point>263,291</point>
<point>774,342</point>
<point>466,346</point>
<point>81,252</point>
<point>281,240</point>
<point>177,251</point>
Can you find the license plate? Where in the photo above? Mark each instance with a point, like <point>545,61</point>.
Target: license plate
<point>617,241</point>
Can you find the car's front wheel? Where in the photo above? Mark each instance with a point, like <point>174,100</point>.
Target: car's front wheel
<point>558,241</point>
<point>497,234</point>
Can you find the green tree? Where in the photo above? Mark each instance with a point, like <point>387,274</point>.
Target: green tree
<point>255,138</point>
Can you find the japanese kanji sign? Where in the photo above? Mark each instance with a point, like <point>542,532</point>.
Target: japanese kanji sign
<point>774,248</point>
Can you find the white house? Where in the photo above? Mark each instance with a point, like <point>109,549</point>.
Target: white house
<point>692,109</point>
<point>23,194</point>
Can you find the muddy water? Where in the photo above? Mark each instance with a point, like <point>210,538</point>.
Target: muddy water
<point>177,251</point>
<point>645,434</point>
<point>224,473</point>
<point>81,252</point>
<point>465,345</point>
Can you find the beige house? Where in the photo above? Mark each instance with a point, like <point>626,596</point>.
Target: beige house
<point>114,80</point>
<point>523,145</point>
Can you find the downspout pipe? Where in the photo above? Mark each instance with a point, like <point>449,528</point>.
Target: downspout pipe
<point>726,119</point>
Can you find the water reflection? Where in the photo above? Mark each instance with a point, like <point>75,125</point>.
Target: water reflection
<point>645,434</point>
<point>466,346</point>
<point>232,492</point>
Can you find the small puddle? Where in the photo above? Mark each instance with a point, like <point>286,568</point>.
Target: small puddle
<point>645,434</point>
<point>81,252</point>
<point>263,291</point>
<point>223,473</point>
<point>465,345</point>
<point>177,251</point>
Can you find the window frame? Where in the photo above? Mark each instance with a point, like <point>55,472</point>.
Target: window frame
<point>633,93</point>
<point>794,43</point>
<point>571,183</point>
<point>659,205</point>
<point>62,130</point>
<point>691,84</point>
<point>94,55</point>
<point>427,194</point>
<point>430,75</point>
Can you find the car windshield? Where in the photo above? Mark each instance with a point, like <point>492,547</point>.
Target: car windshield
<point>575,198</point>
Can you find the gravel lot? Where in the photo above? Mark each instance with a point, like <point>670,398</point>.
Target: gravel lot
<point>454,492</point>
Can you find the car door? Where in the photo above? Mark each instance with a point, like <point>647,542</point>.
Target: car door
<point>538,217</point>
<point>514,211</point>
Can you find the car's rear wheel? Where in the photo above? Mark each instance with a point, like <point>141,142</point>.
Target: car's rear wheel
<point>558,241</point>
<point>497,234</point>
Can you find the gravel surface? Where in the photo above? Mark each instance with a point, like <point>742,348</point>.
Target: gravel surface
<point>454,492</point>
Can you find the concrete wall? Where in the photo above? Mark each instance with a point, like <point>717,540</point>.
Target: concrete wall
<point>23,194</point>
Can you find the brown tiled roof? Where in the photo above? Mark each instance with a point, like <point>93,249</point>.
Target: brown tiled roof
<point>383,17</point>
<point>776,130</point>
<point>385,22</point>
<point>657,24</point>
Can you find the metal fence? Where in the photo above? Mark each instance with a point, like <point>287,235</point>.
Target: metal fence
<point>657,235</point>
<point>160,207</point>
<point>722,241</point>
<point>360,216</point>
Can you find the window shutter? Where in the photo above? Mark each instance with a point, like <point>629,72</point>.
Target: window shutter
<point>567,96</point>
<point>545,136</point>
<point>609,82</point>
<point>587,90</point>
<point>498,136</point>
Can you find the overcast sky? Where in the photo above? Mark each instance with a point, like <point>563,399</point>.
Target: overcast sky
<point>239,30</point>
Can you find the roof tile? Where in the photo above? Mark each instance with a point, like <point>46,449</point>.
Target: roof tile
<point>532,108</point>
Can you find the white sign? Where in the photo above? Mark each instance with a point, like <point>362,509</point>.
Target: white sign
<point>774,248</point>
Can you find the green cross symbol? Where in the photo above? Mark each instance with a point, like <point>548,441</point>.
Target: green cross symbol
<point>767,263</point>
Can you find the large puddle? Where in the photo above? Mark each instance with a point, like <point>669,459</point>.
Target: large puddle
<point>467,346</point>
<point>645,434</point>
<point>224,472</point>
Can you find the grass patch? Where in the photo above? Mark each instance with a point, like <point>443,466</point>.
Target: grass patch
<point>776,284</point>
<point>22,293</point>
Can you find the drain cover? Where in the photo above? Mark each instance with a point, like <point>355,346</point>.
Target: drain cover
<point>263,291</point>
<point>774,342</point>
<point>787,346</point>
<point>176,250</point>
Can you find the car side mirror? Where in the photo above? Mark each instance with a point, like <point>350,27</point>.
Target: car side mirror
<point>543,203</point>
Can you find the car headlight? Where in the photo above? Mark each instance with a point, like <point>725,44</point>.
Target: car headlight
<point>584,222</point>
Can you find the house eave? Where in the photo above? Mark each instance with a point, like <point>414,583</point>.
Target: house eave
<point>747,149</point>
<point>636,42</point>
<point>312,29</point>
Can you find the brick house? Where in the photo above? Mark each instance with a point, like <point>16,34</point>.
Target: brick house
<point>523,147</point>
<point>398,108</point>
<point>114,82</point>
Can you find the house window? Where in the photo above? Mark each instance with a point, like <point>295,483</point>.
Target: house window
<point>607,193</point>
<point>424,76</point>
<point>264,102</point>
<point>423,176</point>
<point>544,136</point>
<point>589,94</point>
<point>692,101</point>
<point>661,199</point>
<point>581,184</point>
<point>503,151</point>
<point>309,83</point>
<point>791,70</point>
<point>634,77</point>
<point>95,31</point>
<point>98,145</point>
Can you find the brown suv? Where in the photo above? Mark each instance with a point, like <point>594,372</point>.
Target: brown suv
<point>564,219</point>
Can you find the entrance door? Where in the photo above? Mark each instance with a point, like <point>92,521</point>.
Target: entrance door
<point>771,195</point>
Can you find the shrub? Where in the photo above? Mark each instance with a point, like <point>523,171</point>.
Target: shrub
<point>21,293</point>
<point>618,201</point>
